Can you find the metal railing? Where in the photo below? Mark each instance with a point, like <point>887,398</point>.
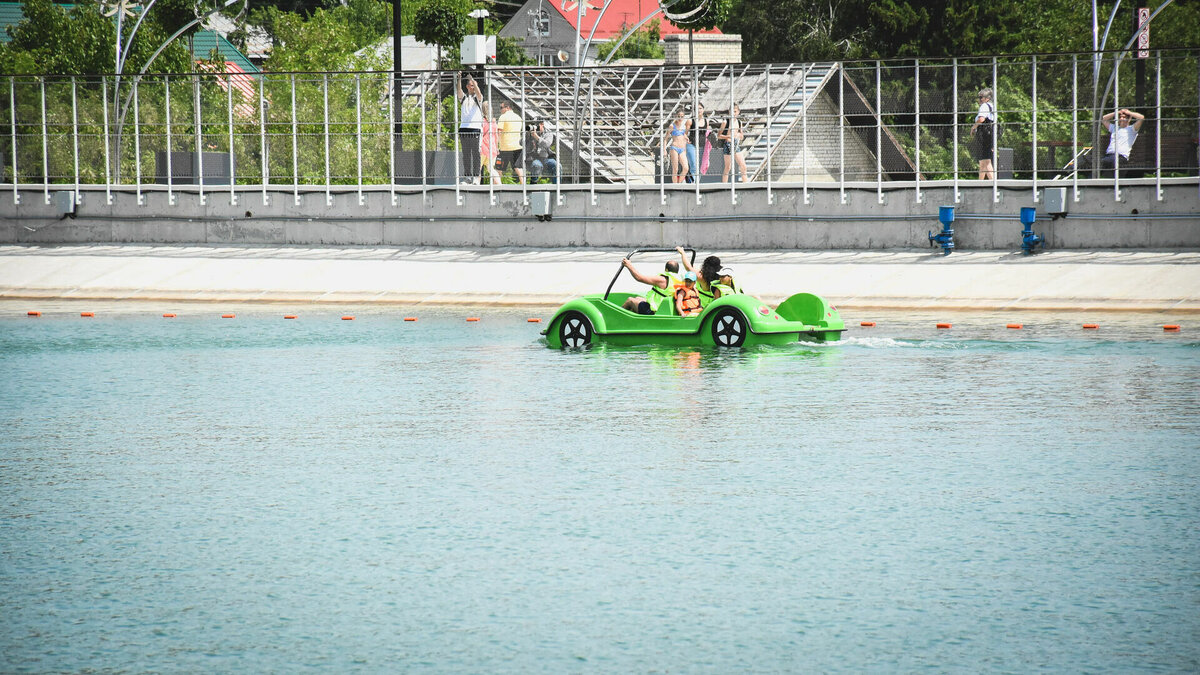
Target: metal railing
<point>880,124</point>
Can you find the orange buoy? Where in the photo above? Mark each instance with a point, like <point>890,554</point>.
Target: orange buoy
<point>33,312</point>
<point>410,318</point>
<point>943,325</point>
<point>1171,328</point>
<point>533,320</point>
<point>168,315</point>
<point>472,318</point>
<point>867,324</point>
<point>1015,326</point>
<point>347,318</point>
<point>87,314</point>
<point>1091,326</point>
<point>227,316</point>
<point>289,316</point>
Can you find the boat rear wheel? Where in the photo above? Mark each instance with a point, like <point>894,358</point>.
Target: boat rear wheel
<point>574,330</point>
<point>729,328</point>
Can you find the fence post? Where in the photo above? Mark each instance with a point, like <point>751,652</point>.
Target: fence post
<point>625,111</point>
<point>458,167</point>
<point>107,153</point>
<point>842,133</point>
<point>75,197</point>
<point>12,109</point>
<point>1158,191</point>
<point>1034,103</point>
<point>170,169</point>
<point>1116,125</point>
<point>696,129</point>
<point>916,126</point>
<point>424,168</point>
<point>45,148</point>
<point>137,142</point>
<point>325,109</point>
<point>558,200</point>
<point>770,197</point>
<point>732,148</point>
<point>1075,127</point>
<point>804,134</point>
<point>878,133</point>
<point>995,141</point>
<point>295,148</point>
<point>358,132</point>
<point>524,135</point>
<point>954,126</point>
<point>662,170</point>
<point>232,165</point>
<point>198,120</point>
<point>262,136</point>
<point>391,136</point>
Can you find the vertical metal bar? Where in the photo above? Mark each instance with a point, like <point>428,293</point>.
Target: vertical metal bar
<point>392,139</point>
<point>107,152</point>
<point>1033,98</point>
<point>732,157</point>
<point>75,198</point>
<point>625,128</point>
<point>232,166</point>
<point>917,124</point>
<point>770,197</point>
<point>491,121</point>
<point>12,110</point>
<point>592,117</point>
<point>1075,126</point>
<point>137,142</point>
<point>804,135</point>
<point>424,169</point>
<point>995,141</point>
<point>45,148</point>
<point>842,134</point>
<point>557,148</point>
<point>198,120</point>
<point>954,114</point>
<point>878,133</point>
<point>325,112</point>
<point>458,174</point>
<point>524,135</point>
<point>262,134</point>
<point>661,131</point>
<point>696,130</point>
<point>295,147</point>
<point>1116,126</point>
<point>170,168</point>
<point>358,132</point>
<point>1158,191</point>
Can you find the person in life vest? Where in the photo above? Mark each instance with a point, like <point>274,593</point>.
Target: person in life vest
<point>725,284</point>
<point>661,287</point>
<point>687,300</point>
<point>705,278</point>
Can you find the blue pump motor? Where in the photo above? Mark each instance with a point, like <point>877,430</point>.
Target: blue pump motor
<point>1029,240</point>
<point>945,238</point>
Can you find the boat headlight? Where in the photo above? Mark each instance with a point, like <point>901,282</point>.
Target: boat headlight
<point>764,310</point>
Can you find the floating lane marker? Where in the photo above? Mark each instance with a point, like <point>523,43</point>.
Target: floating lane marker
<point>289,316</point>
<point>867,324</point>
<point>410,318</point>
<point>33,312</point>
<point>1091,326</point>
<point>347,318</point>
<point>1171,328</point>
<point>87,314</point>
<point>227,316</point>
<point>533,320</point>
<point>943,325</point>
<point>1014,326</point>
<point>168,315</point>
<point>472,318</point>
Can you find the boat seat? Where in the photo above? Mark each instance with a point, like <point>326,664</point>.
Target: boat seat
<point>666,307</point>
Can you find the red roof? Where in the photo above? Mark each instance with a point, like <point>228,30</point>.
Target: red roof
<point>619,13</point>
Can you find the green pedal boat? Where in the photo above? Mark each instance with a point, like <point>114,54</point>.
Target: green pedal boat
<point>733,320</point>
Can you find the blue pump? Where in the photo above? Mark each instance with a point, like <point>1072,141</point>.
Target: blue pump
<point>945,238</point>
<point>1029,240</point>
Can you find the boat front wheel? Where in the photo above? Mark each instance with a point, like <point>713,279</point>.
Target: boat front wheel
<point>729,328</point>
<point>574,330</point>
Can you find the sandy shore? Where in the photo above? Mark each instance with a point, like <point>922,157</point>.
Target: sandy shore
<point>910,279</point>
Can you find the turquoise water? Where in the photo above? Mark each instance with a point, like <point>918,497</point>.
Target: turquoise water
<point>201,494</point>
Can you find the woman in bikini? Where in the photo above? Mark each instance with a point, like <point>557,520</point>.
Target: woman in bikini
<point>675,145</point>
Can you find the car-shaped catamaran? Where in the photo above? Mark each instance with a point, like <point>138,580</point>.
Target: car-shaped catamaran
<point>733,320</point>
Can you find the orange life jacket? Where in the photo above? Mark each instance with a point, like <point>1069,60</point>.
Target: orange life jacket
<point>691,299</point>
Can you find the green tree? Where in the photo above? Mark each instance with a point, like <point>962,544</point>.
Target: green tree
<point>641,45</point>
<point>442,23</point>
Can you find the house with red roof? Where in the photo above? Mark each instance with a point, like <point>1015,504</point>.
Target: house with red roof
<point>547,30</point>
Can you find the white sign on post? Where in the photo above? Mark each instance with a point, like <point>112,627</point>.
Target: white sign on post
<point>1144,34</point>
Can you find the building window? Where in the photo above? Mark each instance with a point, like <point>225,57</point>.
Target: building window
<point>539,23</point>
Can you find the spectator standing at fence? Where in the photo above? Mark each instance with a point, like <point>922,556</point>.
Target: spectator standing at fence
<point>675,145</point>
<point>1124,133</point>
<point>512,146</point>
<point>544,162</point>
<point>731,137</point>
<point>470,126</point>
<point>696,139</point>
<point>984,146</point>
<point>489,145</point>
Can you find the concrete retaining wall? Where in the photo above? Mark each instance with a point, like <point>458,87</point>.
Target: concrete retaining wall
<point>440,218</point>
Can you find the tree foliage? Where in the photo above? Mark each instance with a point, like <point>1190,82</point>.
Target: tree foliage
<point>641,45</point>
<point>713,13</point>
<point>442,23</point>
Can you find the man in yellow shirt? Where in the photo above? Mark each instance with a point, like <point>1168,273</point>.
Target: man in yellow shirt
<point>512,147</point>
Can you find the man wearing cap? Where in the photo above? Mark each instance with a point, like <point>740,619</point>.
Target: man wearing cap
<point>660,287</point>
<point>687,300</point>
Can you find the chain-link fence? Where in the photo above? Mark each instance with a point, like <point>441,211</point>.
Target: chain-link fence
<point>1041,118</point>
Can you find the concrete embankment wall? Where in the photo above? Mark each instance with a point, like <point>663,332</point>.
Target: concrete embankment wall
<point>861,217</point>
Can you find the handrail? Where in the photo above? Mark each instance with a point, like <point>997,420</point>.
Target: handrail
<point>645,250</point>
